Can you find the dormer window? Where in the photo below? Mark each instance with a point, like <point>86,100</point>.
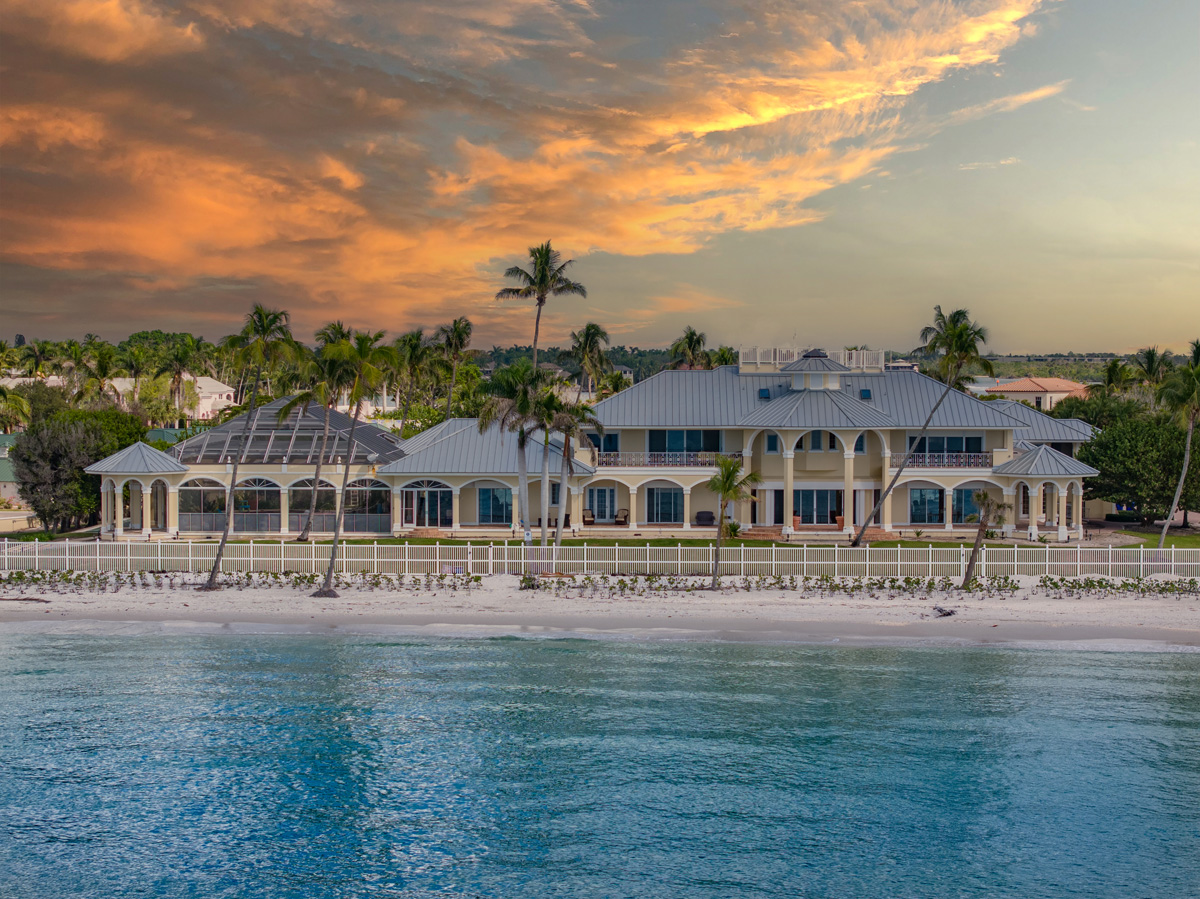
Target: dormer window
<point>764,393</point>
<point>864,393</point>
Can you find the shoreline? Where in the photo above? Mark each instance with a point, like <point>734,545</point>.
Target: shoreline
<point>1028,617</point>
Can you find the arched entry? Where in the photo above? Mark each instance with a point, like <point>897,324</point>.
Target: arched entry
<point>201,505</point>
<point>368,508</point>
<point>300,496</point>
<point>158,505</point>
<point>256,507</point>
<point>427,504</point>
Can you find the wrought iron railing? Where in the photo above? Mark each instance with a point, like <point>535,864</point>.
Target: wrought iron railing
<point>659,460</point>
<point>945,460</point>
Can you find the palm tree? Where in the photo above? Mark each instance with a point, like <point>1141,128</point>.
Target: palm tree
<point>1152,365</point>
<point>327,377</point>
<point>991,512</point>
<point>688,350</point>
<point>38,355</point>
<point>8,357</point>
<point>547,407</point>
<point>1180,393</point>
<point>572,418</point>
<point>1117,377</point>
<point>512,393</point>
<point>1194,352</point>
<point>724,355</point>
<point>587,352</point>
<point>613,382</point>
<point>138,363</point>
<point>98,373</point>
<point>455,337</point>
<point>190,354</point>
<point>365,361</point>
<point>545,278</point>
<point>14,409</point>
<point>956,341</point>
<point>264,340</point>
<point>730,485</point>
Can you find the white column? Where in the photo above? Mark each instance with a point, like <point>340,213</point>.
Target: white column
<point>687,508</point>
<point>147,522</point>
<point>949,509</point>
<point>284,510</point>
<point>742,510</point>
<point>119,510</point>
<point>173,510</point>
<point>848,490</point>
<point>633,494</point>
<point>789,486</point>
<point>1077,509</point>
<point>1061,518</point>
<point>455,511</point>
<point>1035,509</point>
<point>397,510</point>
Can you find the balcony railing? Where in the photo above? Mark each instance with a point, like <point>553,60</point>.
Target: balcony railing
<point>945,460</point>
<point>659,460</point>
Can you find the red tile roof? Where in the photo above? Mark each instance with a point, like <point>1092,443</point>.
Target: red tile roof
<point>1038,385</point>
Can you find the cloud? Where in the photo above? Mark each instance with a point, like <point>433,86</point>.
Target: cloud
<point>974,166</point>
<point>384,161</point>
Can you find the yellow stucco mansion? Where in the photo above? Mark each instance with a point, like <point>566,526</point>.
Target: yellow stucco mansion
<point>824,430</point>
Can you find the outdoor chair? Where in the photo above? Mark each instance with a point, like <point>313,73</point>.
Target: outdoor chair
<point>589,518</point>
<point>705,519</point>
<point>622,517</point>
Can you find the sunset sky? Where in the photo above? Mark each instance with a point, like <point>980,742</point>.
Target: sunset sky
<point>817,172</point>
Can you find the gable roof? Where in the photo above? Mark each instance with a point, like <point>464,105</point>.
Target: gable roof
<point>296,439</point>
<point>456,447</point>
<point>824,409</point>
<point>1045,462</point>
<point>8,474</point>
<point>1038,427</point>
<point>138,458</point>
<point>1037,385</point>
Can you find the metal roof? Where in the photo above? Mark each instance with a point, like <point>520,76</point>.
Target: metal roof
<point>814,360</point>
<point>1045,462</point>
<point>295,440</point>
<point>8,474</point>
<point>723,397</point>
<point>457,447</point>
<point>139,458</point>
<point>1038,427</point>
<point>825,409</point>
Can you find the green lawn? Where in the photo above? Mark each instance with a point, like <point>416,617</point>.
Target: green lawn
<point>1183,541</point>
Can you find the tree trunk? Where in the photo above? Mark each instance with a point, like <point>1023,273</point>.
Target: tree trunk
<point>327,591</point>
<point>720,527</point>
<point>407,406</point>
<point>1187,458</point>
<point>237,460</point>
<point>970,574</point>
<point>903,463</point>
<point>563,484</point>
<point>450,395</point>
<point>545,497</point>
<point>523,485</point>
<point>306,532</point>
<point>537,326</point>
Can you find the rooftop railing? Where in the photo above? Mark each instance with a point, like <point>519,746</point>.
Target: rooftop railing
<point>773,357</point>
<point>658,460</point>
<point>945,460</point>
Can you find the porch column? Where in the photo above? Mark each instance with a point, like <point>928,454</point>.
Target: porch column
<point>455,510</point>
<point>103,509</point>
<point>576,508</point>
<point>1012,500</point>
<point>119,509</point>
<point>1077,509</point>
<point>886,511</point>
<point>173,510</point>
<point>949,501</point>
<point>742,509</point>
<point>633,508</point>
<point>789,487</point>
<point>848,490</point>
<point>687,508</point>
<point>397,511</point>
<point>284,510</point>
<point>147,521</point>
<point>1035,510</point>
<point>1061,518</point>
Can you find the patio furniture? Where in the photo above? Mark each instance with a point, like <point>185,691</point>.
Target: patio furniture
<point>705,519</point>
<point>622,517</point>
<point>589,518</point>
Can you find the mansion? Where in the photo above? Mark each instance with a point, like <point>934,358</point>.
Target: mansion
<point>824,430</point>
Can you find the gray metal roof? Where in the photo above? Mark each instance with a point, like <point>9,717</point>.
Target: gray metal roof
<point>1045,462</point>
<point>139,458</point>
<point>722,398</point>
<point>825,409</point>
<point>457,447</point>
<point>295,440</point>
<point>1038,427</point>
<point>814,360</point>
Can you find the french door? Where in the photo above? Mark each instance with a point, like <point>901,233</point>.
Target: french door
<point>603,502</point>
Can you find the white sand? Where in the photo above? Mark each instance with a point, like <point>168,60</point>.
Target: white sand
<point>1030,616</point>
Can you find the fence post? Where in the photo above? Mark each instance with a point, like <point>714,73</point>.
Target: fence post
<point>1141,559</point>
<point>405,545</point>
<point>437,556</point>
<point>867,556</point>
<point>128,555</point>
<point>375,556</point>
<point>983,561</point>
<point>1078,561</point>
<point>742,560</point>
<point>647,557</point>
<point>1172,559</point>
<point>491,562</point>
<point>835,560</point>
<point>585,557</point>
<point>679,558</point>
<point>931,560</point>
<point>37,552</point>
<point>251,565</point>
<point>773,574</point>
<point>1109,573</point>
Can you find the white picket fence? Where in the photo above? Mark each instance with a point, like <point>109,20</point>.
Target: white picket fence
<point>494,558</point>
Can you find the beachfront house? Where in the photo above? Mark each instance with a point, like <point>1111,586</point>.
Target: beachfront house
<point>826,432</point>
<point>1041,393</point>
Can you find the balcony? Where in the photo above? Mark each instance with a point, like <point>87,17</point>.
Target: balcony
<point>945,460</point>
<point>659,460</point>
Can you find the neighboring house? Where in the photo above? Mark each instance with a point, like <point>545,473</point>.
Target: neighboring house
<point>825,431</point>
<point>211,395</point>
<point>8,478</point>
<point>1041,393</point>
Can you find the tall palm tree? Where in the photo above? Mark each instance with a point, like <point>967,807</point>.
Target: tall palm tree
<point>570,422</point>
<point>327,377</point>
<point>512,392</point>
<point>547,407</point>
<point>37,357</point>
<point>9,357</point>
<point>613,382</point>
<point>545,278</point>
<point>1117,377</point>
<point>991,512</point>
<point>688,350</point>
<point>138,363</point>
<point>587,352</point>
<point>1194,352</point>
<point>265,340</point>
<point>1180,393</point>
<point>14,409</point>
<point>70,361</point>
<point>455,337</point>
<point>724,355</point>
<point>365,361</point>
<point>730,485</point>
<point>1151,365</point>
<point>956,341</point>
<point>190,355</point>
<point>99,371</point>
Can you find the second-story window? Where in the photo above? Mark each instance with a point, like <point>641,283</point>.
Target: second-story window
<point>947,443</point>
<point>692,441</point>
<point>611,443</point>
<point>860,445</point>
<point>772,443</point>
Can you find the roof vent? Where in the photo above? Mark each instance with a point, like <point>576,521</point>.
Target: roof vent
<point>864,393</point>
<point>764,393</point>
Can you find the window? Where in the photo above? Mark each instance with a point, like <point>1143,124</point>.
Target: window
<point>817,440</point>
<point>964,506</point>
<point>708,441</point>
<point>833,443</point>
<point>817,506</point>
<point>772,443</point>
<point>764,393</point>
<point>800,444</point>
<point>664,505</point>
<point>554,486</point>
<point>926,505</point>
<point>611,443</point>
<point>495,505</point>
<point>946,443</point>
<point>603,502</point>
<point>865,393</point>
<point>860,445</point>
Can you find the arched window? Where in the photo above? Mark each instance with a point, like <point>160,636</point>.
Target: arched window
<point>368,507</point>
<point>428,504</point>
<point>201,505</point>
<point>300,501</point>
<point>256,506</point>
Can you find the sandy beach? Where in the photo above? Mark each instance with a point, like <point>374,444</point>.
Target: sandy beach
<point>1029,615</point>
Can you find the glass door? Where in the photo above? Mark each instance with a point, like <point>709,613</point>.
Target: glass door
<point>602,501</point>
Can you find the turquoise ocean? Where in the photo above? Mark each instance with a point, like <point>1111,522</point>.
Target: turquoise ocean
<point>335,766</point>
